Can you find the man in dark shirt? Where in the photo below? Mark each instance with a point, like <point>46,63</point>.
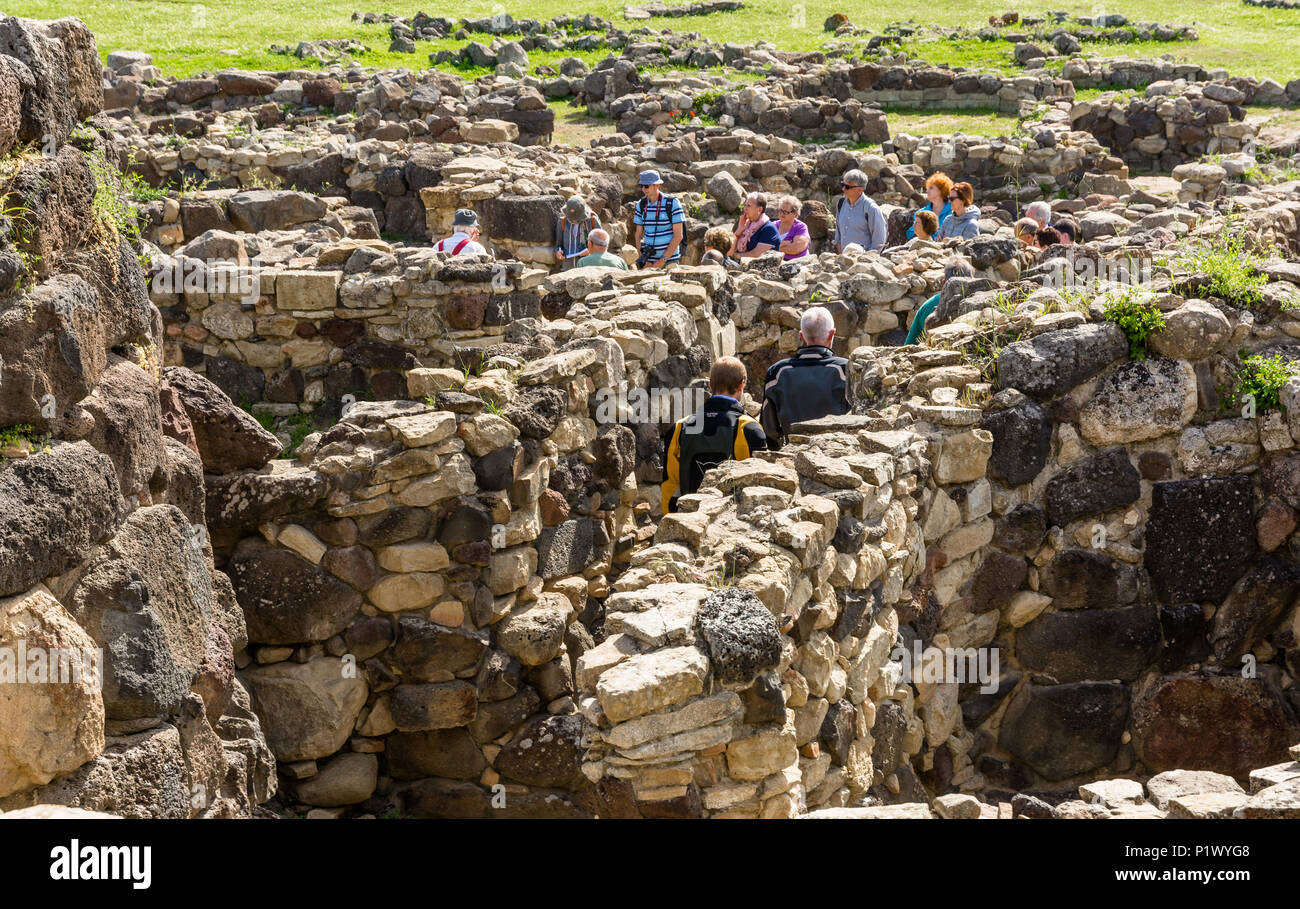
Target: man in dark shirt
<point>719,432</point>
<point>811,384</point>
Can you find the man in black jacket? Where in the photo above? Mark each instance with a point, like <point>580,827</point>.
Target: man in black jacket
<point>811,384</point>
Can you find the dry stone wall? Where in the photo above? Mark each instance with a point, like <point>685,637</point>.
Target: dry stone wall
<point>117,634</point>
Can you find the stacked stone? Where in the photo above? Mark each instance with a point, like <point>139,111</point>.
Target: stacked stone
<point>413,592</point>
<point>1274,792</point>
<point>926,87</point>
<point>117,632</point>
<point>213,226</point>
<point>387,104</point>
<point>313,335</point>
<point>1119,493</point>
<point>765,687</point>
<point>1162,132</point>
<point>1040,166</point>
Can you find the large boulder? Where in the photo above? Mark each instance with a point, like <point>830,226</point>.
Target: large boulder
<point>54,506</point>
<point>1065,730</point>
<point>53,346</point>
<point>256,210</point>
<point>128,424</point>
<point>344,780</point>
<point>1090,644</point>
<point>426,651</point>
<point>1141,399</point>
<point>229,439</point>
<point>147,600</point>
<point>1086,579</point>
<point>141,775</point>
<point>1200,537</point>
<point>1197,722</point>
<point>1022,440</point>
<point>526,218</point>
<point>307,709</point>
<point>546,752</point>
<point>740,635</point>
<point>1050,364</point>
<point>1253,608</point>
<point>45,729</point>
<point>1092,486</point>
<point>60,74</point>
<point>254,497</point>
<point>285,598</point>
<point>1193,331</point>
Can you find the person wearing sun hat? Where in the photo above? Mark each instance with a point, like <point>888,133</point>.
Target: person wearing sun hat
<point>464,238</point>
<point>571,230</point>
<point>660,224</point>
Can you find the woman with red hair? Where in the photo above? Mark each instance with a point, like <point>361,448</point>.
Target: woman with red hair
<point>937,189</point>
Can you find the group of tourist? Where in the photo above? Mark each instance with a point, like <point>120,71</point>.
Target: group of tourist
<point>811,384</point>
<point>1037,229</point>
<point>660,221</point>
<point>814,382</point>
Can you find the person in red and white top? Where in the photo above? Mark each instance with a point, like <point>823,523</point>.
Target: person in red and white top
<point>464,240</point>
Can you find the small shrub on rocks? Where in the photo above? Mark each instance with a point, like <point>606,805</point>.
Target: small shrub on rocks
<point>1261,379</point>
<point>1232,270</point>
<point>1137,320</point>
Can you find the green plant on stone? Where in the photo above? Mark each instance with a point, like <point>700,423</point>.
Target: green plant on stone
<point>16,436</point>
<point>190,185</point>
<point>1232,270</point>
<point>1260,379</point>
<point>139,190</point>
<point>1137,320</point>
<point>300,427</point>
<point>111,207</point>
<point>20,220</point>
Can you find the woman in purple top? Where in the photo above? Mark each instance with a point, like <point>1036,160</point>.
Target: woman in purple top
<point>792,232</point>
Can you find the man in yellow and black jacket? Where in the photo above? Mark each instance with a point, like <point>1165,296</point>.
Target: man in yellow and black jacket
<point>719,432</point>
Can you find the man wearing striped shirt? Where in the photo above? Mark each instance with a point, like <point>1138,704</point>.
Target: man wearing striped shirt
<point>660,224</point>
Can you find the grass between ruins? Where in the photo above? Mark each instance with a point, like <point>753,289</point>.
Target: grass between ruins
<point>192,37</point>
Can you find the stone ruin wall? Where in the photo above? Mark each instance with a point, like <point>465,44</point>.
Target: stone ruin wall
<point>455,599</point>
<point>1179,122</point>
<point>103,547</point>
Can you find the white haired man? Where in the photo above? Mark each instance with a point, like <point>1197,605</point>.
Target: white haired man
<point>598,251</point>
<point>813,383</point>
<point>1041,212</point>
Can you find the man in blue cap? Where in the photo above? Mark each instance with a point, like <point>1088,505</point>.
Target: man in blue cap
<point>660,224</point>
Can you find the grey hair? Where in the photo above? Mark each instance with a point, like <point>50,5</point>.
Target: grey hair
<point>599,237</point>
<point>790,201</point>
<point>758,199</point>
<point>1037,210</point>
<point>817,324</point>
<point>855,176</point>
<point>1025,224</point>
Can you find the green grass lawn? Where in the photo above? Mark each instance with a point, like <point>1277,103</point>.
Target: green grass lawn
<point>188,37</point>
<point>971,121</point>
